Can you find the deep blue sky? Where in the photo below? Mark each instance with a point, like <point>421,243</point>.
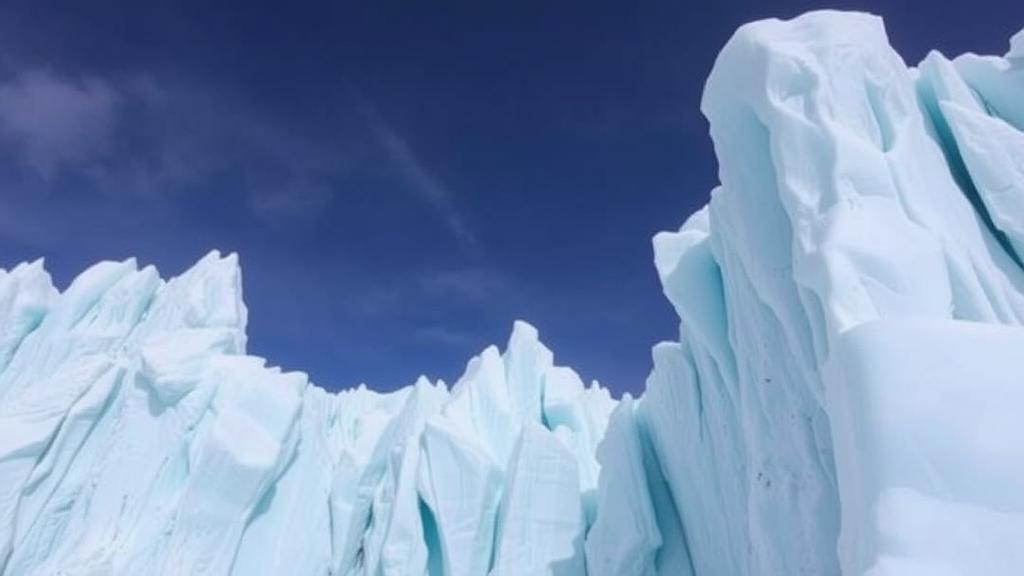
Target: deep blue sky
<point>401,180</point>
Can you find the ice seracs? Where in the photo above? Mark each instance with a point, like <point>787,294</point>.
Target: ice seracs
<point>138,437</point>
<point>843,396</point>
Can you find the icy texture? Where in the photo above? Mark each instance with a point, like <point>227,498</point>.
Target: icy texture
<point>843,397</point>
<point>849,302</point>
<point>138,438</point>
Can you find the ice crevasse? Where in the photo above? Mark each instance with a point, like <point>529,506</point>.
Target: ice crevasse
<point>842,398</point>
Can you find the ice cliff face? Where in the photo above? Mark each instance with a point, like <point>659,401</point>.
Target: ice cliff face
<point>138,438</point>
<point>849,301</point>
<point>842,397</point>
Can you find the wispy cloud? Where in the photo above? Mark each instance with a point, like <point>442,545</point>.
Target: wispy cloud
<point>477,285</point>
<point>447,336</point>
<point>131,137</point>
<point>414,293</point>
<point>422,182</point>
<point>141,136</point>
<point>299,198</point>
<point>135,136</point>
<point>54,122</point>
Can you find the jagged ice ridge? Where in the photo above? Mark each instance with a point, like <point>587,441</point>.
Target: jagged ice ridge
<point>842,398</point>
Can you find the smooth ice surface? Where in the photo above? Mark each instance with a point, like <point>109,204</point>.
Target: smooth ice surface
<point>930,459</point>
<point>843,396</point>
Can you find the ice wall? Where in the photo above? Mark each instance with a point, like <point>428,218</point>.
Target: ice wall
<point>849,302</point>
<point>137,437</point>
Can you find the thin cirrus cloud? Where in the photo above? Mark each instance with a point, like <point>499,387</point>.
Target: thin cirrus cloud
<point>446,336</point>
<point>471,287</point>
<point>422,182</point>
<point>143,137</point>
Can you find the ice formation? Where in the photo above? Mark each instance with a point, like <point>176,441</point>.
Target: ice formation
<point>138,438</point>
<point>842,397</point>
<point>849,302</point>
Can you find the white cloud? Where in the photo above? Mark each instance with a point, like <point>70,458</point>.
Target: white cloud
<point>56,121</point>
<point>145,137</point>
<point>138,137</point>
<point>428,187</point>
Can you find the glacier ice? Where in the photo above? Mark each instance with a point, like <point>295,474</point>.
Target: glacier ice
<point>828,407</point>
<point>139,438</point>
<point>841,398</point>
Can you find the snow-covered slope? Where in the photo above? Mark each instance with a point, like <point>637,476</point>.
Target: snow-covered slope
<point>842,397</point>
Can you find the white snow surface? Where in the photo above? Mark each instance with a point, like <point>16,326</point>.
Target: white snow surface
<point>843,397</point>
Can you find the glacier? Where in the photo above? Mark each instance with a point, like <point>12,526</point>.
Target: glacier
<point>842,398</point>
<point>139,438</point>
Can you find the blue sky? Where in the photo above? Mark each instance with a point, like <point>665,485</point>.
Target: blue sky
<point>401,180</point>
